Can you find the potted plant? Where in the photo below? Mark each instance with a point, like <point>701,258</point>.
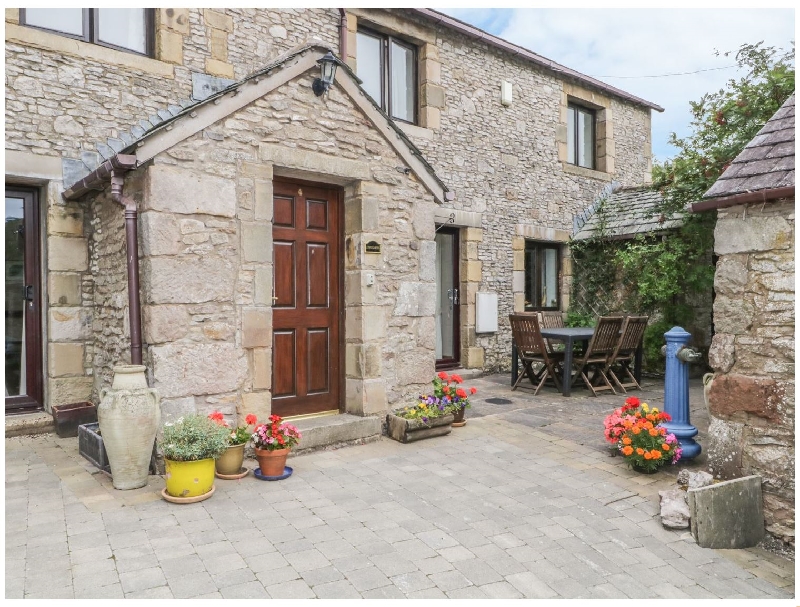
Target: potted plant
<point>190,445</point>
<point>428,418</point>
<point>635,431</point>
<point>229,464</point>
<point>272,443</point>
<point>447,389</point>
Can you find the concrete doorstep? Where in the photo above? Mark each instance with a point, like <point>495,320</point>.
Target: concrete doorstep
<point>25,424</point>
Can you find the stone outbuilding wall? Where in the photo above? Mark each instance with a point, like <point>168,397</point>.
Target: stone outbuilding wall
<point>751,398</point>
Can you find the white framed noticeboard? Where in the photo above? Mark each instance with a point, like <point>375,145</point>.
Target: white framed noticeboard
<point>486,312</point>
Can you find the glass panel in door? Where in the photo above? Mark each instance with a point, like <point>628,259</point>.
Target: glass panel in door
<point>14,294</point>
<point>447,299</point>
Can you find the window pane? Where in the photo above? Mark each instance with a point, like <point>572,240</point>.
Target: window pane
<point>66,20</point>
<point>586,139</point>
<point>123,27</point>
<point>571,135</point>
<point>548,298</point>
<point>369,65</point>
<point>402,85</point>
<point>15,304</point>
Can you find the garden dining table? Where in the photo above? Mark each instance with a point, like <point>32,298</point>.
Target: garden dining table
<point>570,335</point>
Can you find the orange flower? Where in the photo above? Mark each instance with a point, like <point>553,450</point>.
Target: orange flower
<point>665,448</point>
<point>626,440</point>
<point>647,455</point>
<point>639,451</point>
<point>655,454</point>
<point>636,429</point>
<point>648,425</point>
<point>627,423</point>
<point>627,451</point>
<point>653,432</point>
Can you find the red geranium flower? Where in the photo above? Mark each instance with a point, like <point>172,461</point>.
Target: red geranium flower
<point>461,393</point>
<point>632,401</point>
<point>473,390</point>
<point>250,419</point>
<point>456,378</point>
<point>442,375</point>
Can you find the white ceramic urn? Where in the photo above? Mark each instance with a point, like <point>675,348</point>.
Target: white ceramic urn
<point>129,414</point>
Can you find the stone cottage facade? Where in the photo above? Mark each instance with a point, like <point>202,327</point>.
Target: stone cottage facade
<point>751,395</point>
<point>216,135</point>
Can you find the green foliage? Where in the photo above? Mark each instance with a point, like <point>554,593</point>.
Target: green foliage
<point>579,319</point>
<point>192,438</point>
<point>661,273</point>
<point>723,122</point>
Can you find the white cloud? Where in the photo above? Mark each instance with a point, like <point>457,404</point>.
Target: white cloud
<point>643,42</point>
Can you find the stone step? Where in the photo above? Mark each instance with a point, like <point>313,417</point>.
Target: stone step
<point>26,424</point>
<point>330,431</point>
<point>466,374</point>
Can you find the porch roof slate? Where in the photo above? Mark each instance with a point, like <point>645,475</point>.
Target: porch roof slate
<point>627,212</point>
<point>766,163</point>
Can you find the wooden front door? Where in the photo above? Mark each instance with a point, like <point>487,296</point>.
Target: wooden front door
<point>306,349</point>
<point>23,324</point>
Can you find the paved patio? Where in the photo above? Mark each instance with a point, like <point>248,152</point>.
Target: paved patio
<point>524,501</point>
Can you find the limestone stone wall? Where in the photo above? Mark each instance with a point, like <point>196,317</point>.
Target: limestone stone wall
<point>751,398</point>
<point>110,343</point>
<point>69,303</point>
<point>63,95</point>
<point>505,163</point>
<point>207,255</point>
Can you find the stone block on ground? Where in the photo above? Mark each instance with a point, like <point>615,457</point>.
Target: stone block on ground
<point>694,480</point>
<point>674,509</point>
<point>728,514</point>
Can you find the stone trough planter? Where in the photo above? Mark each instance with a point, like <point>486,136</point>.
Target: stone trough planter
<point>410,430</point>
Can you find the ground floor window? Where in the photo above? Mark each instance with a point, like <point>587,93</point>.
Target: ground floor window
<point>542,264</point>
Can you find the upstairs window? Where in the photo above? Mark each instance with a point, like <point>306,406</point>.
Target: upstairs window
<point>541,276</point>
<point>388,68</point>
<point>580,136</point>
<point>126,29</point>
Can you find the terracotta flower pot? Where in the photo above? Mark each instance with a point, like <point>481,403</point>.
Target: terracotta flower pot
<point>458,417</point>
<point>272,463</point>
<point>230,462</point>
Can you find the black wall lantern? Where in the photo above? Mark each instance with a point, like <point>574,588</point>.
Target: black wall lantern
<point>327,66</point>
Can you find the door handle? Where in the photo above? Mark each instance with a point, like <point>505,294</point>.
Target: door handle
<point>27,293</point>
<point>455,297</point>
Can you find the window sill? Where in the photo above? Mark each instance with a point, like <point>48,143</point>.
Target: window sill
<point>591,173</point>
<point>412,130</point>
<point>29,36</point>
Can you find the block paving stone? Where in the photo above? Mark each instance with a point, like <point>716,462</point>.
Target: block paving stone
<point>538,516</point>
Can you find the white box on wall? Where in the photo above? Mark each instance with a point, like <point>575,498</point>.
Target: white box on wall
<point>486,313</point>
<point>505,93</point>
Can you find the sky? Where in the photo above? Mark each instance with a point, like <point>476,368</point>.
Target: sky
<point>608,43</point>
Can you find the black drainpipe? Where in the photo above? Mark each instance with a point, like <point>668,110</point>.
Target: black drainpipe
<point>132,242</point>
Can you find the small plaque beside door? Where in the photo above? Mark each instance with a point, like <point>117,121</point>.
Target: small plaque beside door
<point>372,247</point>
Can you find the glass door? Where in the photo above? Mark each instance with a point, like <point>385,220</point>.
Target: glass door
<point>22,302</point>
<point>448,342</point>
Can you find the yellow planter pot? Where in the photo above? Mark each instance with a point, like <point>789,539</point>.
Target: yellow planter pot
<point>189,479</point>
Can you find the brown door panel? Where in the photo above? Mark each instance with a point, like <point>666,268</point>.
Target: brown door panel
<point>307,275</point>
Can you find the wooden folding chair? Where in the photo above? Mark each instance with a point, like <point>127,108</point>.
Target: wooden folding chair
<point>552,320</point>
<point>602,345</point>
<point>531,350</point>
<point>623,355</point>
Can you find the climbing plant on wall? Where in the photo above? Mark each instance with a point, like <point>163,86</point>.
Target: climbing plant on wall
<point>661,274</point>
